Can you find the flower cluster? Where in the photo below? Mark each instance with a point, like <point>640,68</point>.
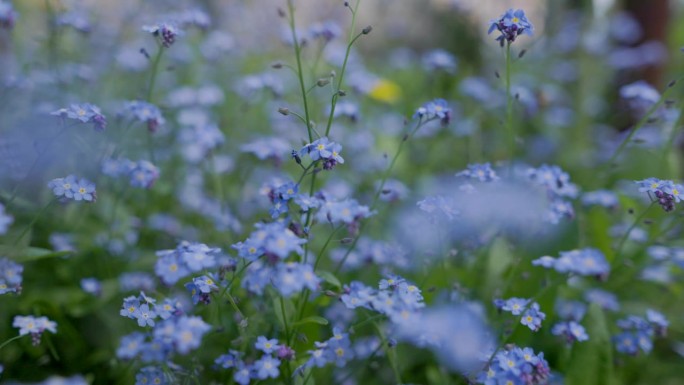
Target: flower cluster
<point>397,298</point>
<point>152,375</point>
<point>142,174</point>
<point>605,198</point>
<point>337,349</point>
<point>166,33</point>
<point>434,109</point>
<point>186,258</point>
<point>288,278</point>
<point>84,113</point>
<point>177,333</point>
<point>532,316</point>
<point>516,366</point>
<point>10,276</point>
<point>146,113</point>
<point>199,140</point>
<point>348,212</point>
<point>35,326</point>
<point>200,288</point>
<point>638,333</point>
<point>558,187</point>
<point>280,195</point>
<point>71,188</point>
<point>511,24</point>
<point>571,312</point>
<point>588,262</point>
<point>271,239</point>
<point>265,367</point>
<point>481,172</point>
<point>325,150</point>
<point>666,192</point>
<point>5,220</point>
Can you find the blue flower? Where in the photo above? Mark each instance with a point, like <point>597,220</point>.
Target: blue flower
<point>515,305</point>
<point>230,360</point>
<point>35,326</point>
<point>588,261</point>
<point>165,32</point>
<point>266,367</point>
<point>143,174</point>
<point>10,276</point>
<point>533,317</point>
<point>571,330</point>
<point>130,346</point>
<point>84,113</point>
<point>482,172</point>
<point>265,345</point>
<point>72,188</point>
<point>151,375</point>
<point>435,109</point>
<point>146,316</point>
<point>146,113</point>
<point>91,286</point>
<point>511,24</point>
<point>5,220</point>
<point>84,190</point>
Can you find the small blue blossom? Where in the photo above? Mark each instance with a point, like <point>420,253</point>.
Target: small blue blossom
<point>571,331</point>
<point>10,276</point>
<point>146,113</point>
<point>84,113</point>
<point>265,345</point>
<point>435,109</point>
<point>71,188</point>
<point>533,317</point>
<point>511,24</point>
<point>35,326</point>
<point>151,375</point>
<point>91,286</point>
<point>481,172</point>
<point>230,360</point>
<point>588,262</point>
<point>266,367</point>
<point>166,33</point>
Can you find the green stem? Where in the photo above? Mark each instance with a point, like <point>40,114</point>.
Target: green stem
<point>300,74</point>
<point>641,123</point>
<point>509,102</point>
<point>618,248</point>
<point>33,221</point>
<point>153,76</point>
<point>671,138</point>
<point>383,180</point>
<point>352,39</point>
<point>391,353</point>
<point>10,340</point>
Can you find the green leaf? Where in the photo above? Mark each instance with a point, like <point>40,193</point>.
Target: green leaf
<point>329,278</point>
<point>311,320</point>
<point>29,254</point>
<point>591,362</point>
<point>278,309</point>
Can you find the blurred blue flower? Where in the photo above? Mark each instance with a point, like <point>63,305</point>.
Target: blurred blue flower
<point>165,32</point>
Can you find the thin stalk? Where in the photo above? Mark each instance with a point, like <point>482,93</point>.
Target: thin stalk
<point>153,76</point>
<point>618,248</point>
<point>383,180</point>
<point>509,102</point>
<point>352,39</point>
<point>10,340</point>
<point>33,221</point>
<point>300,74</point>
<point>641,122</point>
